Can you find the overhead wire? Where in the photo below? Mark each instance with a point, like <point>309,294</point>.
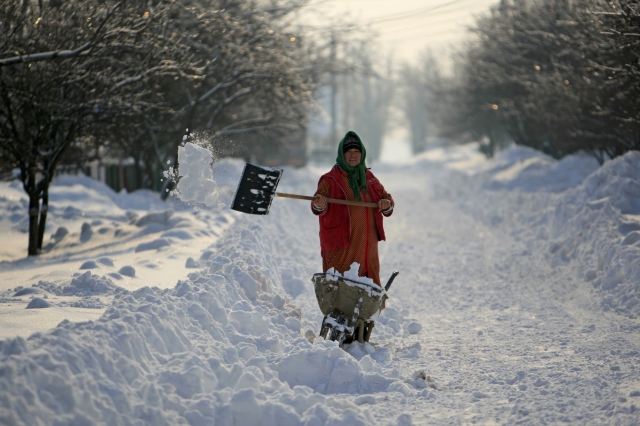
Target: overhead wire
<point>399,16</point>
<point>429,20</point>
<point>417,36</point>
<point>383,37</point>
<point>426,25</point>
<point>441,10</point>
<point>418,12</point>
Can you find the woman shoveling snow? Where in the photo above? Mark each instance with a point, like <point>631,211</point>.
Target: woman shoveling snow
<point>349,234</point>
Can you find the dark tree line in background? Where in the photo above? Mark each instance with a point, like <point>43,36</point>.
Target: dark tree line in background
<point>559,76</point>
<point>85,79</point>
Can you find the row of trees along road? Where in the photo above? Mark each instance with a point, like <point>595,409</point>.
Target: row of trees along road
<point>560,76</point>
<point>80,79</point>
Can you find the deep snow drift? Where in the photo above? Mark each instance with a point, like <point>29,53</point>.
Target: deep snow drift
<point>517,301</point>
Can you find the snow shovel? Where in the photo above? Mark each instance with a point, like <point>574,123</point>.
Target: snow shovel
<point>257,188</point>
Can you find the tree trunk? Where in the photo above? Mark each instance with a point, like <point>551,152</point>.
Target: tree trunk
<point>139,178</point>
<point>43,216</point>
<point>34,209</point>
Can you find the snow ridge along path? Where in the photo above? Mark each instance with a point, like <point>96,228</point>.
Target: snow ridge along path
<point>505,312</point>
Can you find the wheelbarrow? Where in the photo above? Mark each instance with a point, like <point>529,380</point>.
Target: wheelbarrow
<point>350,307</point>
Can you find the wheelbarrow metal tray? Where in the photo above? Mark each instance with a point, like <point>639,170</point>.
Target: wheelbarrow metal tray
<point>342,296</point>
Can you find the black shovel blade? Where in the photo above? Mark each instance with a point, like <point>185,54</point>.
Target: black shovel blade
<point>256,189</point>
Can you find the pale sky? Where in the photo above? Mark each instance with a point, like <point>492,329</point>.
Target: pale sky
<point>408,27</point>
<point>405,28</point>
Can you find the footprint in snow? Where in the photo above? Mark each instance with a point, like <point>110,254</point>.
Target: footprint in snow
<point>105,261</point>
<point>38,303</point>
<point>127,271</point>
<point>152,245</point>
<point>25,291</point>
<point>89,264</point>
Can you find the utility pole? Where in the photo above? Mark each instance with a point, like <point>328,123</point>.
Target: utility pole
<point>334,89</point>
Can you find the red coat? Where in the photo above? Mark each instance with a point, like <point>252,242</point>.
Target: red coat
<point>335,225</point>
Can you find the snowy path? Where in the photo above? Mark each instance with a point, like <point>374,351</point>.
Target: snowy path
<point>505,336</point>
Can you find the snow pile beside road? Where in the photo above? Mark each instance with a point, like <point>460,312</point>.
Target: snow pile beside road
<point>529,170</point>
<point>571,212</point>
<point>224,346</point>
<point>96,196</point>
<point>197,353</point>
<point>76,204</point>
<point>188,354</point>
<point>598,225</point>
<point>515,168</point>
<point>587,220</point>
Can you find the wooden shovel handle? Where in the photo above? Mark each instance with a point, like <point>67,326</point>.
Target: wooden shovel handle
<point>329,200</point>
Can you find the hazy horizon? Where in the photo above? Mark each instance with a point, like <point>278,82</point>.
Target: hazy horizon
<point>408,28</point>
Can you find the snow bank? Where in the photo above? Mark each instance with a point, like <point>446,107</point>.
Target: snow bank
<point>528,170</point>
<point>597,225</point>
<point>198,353</point>
<point>67,188</point>
<point>78,202</point>
<point>165,357</point>
<point>571,212</point>
<point>84,284</point>
<point>224,346</point>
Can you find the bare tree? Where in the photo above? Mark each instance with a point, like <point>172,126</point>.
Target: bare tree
<point>556,75</point>
<point>52,91</point>
<point>129,77</point>
<point>242,70</point>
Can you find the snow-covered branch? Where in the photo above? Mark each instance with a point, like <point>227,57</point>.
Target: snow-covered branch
<point>83,50</point>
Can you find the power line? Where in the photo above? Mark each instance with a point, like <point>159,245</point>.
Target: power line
<point>447,31</point>
<point>446,13</point>
<point>396,17</point>
<point>405,15</point>
<point>416,12</point>
<point>426,25</point>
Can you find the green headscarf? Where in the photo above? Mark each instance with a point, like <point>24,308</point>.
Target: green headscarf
<point>357,174</point>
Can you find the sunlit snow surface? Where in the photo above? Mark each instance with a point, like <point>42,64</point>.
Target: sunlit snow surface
<point>517,302</point>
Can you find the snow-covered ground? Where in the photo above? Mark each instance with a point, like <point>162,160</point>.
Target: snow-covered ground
<point>517,302</point>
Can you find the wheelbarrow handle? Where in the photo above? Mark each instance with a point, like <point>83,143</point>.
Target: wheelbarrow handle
<point>393,277</point>
<point>329,200</point>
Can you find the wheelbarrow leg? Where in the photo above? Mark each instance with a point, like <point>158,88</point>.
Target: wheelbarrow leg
<point>368,331</point>
<point>361,333</point>
<point>323,329</point>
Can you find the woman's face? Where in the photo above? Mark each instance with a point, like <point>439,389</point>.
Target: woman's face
<point>353,157</point>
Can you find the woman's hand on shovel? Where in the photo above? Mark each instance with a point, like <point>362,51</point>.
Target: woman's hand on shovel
<point>384,205</point>
<point>320,201</point>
